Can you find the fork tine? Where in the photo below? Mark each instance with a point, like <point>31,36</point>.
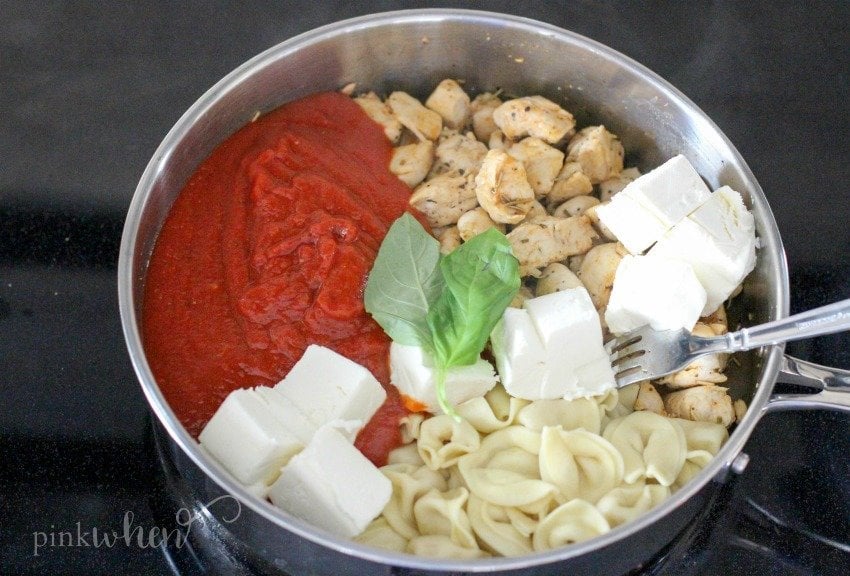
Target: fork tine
<point>618,344</point>
<point>626,354</point>
<point>628,344</point>
<point>630,376</point>
<point>647,354</point>
<point>627,361</point>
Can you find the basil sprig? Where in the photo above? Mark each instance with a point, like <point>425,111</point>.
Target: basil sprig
<point>448,304</point>
<point>404,282</point>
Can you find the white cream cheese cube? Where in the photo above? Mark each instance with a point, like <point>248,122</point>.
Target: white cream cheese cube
<point>520,354</point>
<point>289,414</point>
<point>594,377</point>
<point>569,327</point>
<point>634,225</point>
<point>326,386</point>
<point>248,439</point>
<point>568,324</point>
<point>718,241</point>
<point>412,372</point>
<point>543,350</point>
<point>331,485</point>
<point>733,231</point>
<point>560,381</point>
<point>670,191</point>
<point>653,203</point>
<point>726,217</point>
<point>689,242</point>
<point>664,293</point>
<point>259,489</point>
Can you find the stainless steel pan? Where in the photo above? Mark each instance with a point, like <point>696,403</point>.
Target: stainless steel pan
<point>412,50</point>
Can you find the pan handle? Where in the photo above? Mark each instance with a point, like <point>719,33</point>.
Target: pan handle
<point>832,387</point>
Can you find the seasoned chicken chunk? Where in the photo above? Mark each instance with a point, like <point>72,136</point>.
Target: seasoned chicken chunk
<point>707,403</point>
<point>502,188</point>
<point>597,271</point>
<point>740,408</point>
<point>554,278</point>
<point>537,210</point>
<point>575,206</point>
<point>533,116</point>
<point>443,198</point>
<point>450,101</point>
<point>608,188</point>
<point>482,107</point>
<point>548,239</point>
<point>424,123</point>
<point>457,152</point>
<point>598,151</point>
<point>449,239</point>
<point>522,295</point>
<point>569,182</point>
<point>717,321</point>
<point>380,113</point>
<point>475,222</point>
<point>542,163</point>
<point>649,399</point>
<point>498,141</point>
<point>411,162</point>
<point>707,369</point>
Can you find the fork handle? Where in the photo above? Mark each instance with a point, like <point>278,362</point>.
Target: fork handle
<point>817,322</point>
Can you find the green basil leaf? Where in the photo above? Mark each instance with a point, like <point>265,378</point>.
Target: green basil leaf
<point>404,282</point>
<point>481,278</point>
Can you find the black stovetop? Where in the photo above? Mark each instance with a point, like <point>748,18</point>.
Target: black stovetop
<point>87,91</point>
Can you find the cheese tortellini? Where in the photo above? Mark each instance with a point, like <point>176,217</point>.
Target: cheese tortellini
<point>513,477</point>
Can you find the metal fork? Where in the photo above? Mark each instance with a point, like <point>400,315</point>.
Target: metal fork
<point>646,354</point>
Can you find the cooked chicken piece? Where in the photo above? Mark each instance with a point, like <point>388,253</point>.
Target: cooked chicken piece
<point>444,198</point>
<point>450,101</point>
<point>569,183</point>
<point>598,269</point>
<point>534,116</point>
<point>522,295</point>
<point>575,206</point>
<point>424,123</point>
<point>705,370</point>
<point>556,277</point>
<point>449,239</point>
<point>475,222</point>
<point>717,321</point>
<point>537,211</point>
<point>411,162</point>
<point>502,188</point>
<point>548,239</point>
<point>457,152</point>
<point>649,399</point>
<point>498,141</point>
<point>380,113</point>
<point>574,263</point>
<point>708,369</point>
<point>740,408</point>
<point>482,107</point>
<point>707,403</point>
<point>608,188</point>
<point>542,163</point>
<point>598,151</point>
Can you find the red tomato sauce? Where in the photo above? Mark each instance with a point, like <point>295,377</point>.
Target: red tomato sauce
<point>265,251</point>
